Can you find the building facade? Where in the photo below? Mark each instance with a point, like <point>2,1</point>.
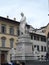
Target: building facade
<point>39,44</point>
<point>8,37</point>
<point>45,30</point>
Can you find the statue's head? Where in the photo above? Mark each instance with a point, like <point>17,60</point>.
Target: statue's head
<point>22,14</point>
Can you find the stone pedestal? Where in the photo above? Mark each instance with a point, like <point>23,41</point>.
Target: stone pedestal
<point>24,48</point>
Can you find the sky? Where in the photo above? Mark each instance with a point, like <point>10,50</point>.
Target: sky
<point>36,11</point>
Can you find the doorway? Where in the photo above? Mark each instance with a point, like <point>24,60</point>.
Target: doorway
<point>3,57</point>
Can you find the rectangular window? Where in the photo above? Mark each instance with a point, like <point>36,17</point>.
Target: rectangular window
<point>3,42</point>
<point>41,48</point>
<point>37,47</point>
<point>43,39</point>
<point>37,37</point>
<point>11,30</point>
<point>3,28</point>
<point>32,48</point>
<point>11,43</point>
<point>45,48</point>
<point>31,36</point>
<point>34,37</point>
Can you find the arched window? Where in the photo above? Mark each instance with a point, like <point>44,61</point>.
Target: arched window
<point>11,42</point>
<point>3,40</point>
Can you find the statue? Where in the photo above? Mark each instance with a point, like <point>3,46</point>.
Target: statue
<point>22,24</point>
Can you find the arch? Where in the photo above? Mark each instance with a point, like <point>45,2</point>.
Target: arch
<point>3,37</point>
<point>3,41</point>
<point>11,39</point>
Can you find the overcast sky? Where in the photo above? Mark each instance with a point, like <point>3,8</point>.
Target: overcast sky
<point>36,11</point>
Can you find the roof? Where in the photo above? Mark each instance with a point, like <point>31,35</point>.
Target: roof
<point>42,34</point>
<point>9,20</point>
<point>45,26</point>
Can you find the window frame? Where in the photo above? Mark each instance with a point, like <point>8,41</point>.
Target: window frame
<point>3,26</point>
<point>3,41</point>
<point>11,30</point>
<point>11,43</point>
<point>42,48</point>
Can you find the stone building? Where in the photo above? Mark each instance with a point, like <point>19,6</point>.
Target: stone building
<point>45,30</point>
<point>39,44</point>
<point>8,37</point>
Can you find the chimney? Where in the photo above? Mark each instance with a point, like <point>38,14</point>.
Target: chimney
<point>14,19</point>
<point>7,17</point>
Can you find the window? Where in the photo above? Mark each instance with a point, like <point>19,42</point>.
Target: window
<point>34,37</point>
<point>34,46</point>
<point>37,48</point>
<point>11,30</point>
<point>31,36</point>
<point>48,42</point>
<point>11,42</point>
<point>37,37</point>
<point>3,28</point>
<point>41,48</point>
<point>18,31</point>
<point>43,39</point>
<point>3,39</point>
<point>42,57</point>
<point>44,48</point>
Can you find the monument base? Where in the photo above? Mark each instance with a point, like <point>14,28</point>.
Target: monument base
<point>24,50</point>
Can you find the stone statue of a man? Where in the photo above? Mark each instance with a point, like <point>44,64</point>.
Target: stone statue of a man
<point>22,24</point>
